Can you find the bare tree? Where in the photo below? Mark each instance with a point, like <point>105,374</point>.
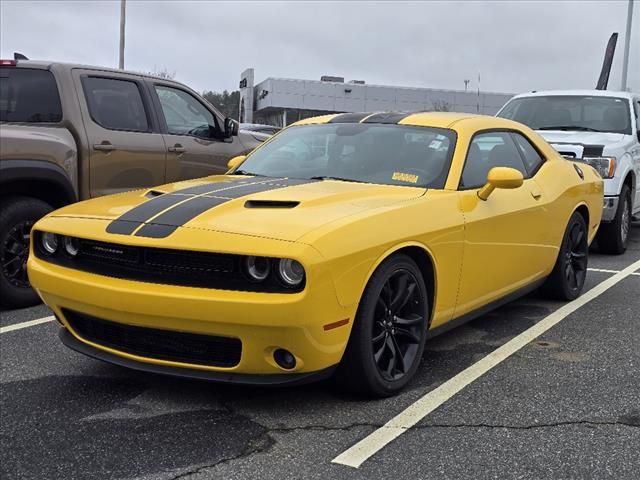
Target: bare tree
<point>441,106</point>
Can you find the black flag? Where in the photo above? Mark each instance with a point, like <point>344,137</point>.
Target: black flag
<point>608,60</point>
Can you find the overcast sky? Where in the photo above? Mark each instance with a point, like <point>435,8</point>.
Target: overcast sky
<point>514,45</point>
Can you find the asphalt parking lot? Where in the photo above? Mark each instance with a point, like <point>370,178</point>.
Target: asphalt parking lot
<point>564,405</point>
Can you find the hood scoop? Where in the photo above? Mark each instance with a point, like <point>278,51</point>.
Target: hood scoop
<point>154,193</point>
<point>271,204</point>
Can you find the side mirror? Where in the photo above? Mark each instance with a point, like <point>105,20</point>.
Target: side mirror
<point>500,177</point>
<point>235,161</point>
<point>231,127</point>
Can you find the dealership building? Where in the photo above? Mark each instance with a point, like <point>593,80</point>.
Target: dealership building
<point>282,101</point>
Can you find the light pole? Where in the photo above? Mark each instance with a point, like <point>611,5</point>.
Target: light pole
<point>627,42</point>
<point>123,5</point>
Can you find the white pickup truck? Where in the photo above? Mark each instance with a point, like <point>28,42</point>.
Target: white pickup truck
<point>602,128</point>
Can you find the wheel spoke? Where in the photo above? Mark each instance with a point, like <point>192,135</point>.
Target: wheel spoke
<point>408,334</point>
<point>394,355</point>
<point>378,354</point>
<point>401,290</point>
<point>406,295</point>
<point>411,320</point>
<point>400,357</point>
<point>379,337</point>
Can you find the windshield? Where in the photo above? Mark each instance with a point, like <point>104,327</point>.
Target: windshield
<point>371,153</point>
<point>571,112</point>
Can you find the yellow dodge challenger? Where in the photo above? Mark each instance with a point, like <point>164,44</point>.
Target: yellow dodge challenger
<point>338,248</point>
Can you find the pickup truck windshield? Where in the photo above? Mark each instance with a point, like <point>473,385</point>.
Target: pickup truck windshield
<point>571,112</point>
<point>28,96</point>
<point>356,152</point>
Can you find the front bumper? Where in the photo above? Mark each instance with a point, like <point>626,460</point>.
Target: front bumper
<point>289,379</point>
<point>263,322</point>
<point>609,208</point>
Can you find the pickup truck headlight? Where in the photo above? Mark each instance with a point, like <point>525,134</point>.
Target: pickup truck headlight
<point>606,166</point>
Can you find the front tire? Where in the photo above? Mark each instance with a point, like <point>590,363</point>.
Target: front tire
<point>570,271</point>
<point>17,216</point>
<point>389,331</point>
<point>614,236</point>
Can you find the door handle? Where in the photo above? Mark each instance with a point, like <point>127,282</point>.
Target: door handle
<point>177,148</point>
<point>104,147</point>
<point>536,194</point>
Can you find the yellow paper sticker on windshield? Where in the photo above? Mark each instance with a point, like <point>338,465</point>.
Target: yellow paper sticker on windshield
<point>404,177</point>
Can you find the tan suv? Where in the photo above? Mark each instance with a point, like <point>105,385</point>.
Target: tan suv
<point>72,132</point>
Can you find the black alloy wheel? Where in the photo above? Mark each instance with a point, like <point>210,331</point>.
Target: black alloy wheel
<point>14,253</point>
<point>17,217</point>
<point>398,325</point>
<point>570,271</point>
<point>575,256</point>
<point>387,339</point>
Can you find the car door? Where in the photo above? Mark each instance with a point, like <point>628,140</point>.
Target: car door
<point>506,246</point>
<point>126,148</point>
<point>192,132</point>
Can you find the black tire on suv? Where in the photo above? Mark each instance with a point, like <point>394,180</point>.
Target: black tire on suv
<point>17,216</point>
<point>613,236</point>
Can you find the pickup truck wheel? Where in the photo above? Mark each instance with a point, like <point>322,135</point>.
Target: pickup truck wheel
<point>570,271</point>
<point>17,216</point>
<point>613,236</point>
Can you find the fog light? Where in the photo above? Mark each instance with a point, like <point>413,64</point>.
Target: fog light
<point>49,242</point>
<point>71,246</point>
<point>284,358</point>
<point>291,271</point>
<point>258,268</point>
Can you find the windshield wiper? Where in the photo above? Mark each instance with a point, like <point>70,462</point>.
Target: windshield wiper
<point>570,127</point>
<point>341,179</point>
<point>244,172</point>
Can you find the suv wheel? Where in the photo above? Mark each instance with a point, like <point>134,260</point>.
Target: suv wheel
<point>17,216</point>
<point>613,236</point>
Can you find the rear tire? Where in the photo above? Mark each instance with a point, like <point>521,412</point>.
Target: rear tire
<point>614,236</point>
<point>17,216</point>
<point>387,340</point>
<point>569,273</point>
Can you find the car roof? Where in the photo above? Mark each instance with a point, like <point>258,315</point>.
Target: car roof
<point>420,119</point>
<point>568,93</point>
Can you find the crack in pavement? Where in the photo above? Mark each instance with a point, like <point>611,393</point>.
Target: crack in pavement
<point>264,442</point>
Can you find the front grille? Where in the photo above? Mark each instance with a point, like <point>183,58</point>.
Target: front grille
<point>158,344</point>
<point>164,266</point>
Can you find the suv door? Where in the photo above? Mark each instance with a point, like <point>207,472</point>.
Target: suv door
<point>193,134</point>
<point>635,154</point>
<point>126,149</point>
<point>506,240</point>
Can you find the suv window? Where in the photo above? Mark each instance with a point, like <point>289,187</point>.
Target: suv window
<point>115,104</point>
<point>531,157</point>
<point>184,114</point>
<point>29,95</point>
<point>488,150</point>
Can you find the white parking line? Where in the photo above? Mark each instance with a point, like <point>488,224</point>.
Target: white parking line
<point>368,446</point>
<point>30,323</point>
<point>604,270</point>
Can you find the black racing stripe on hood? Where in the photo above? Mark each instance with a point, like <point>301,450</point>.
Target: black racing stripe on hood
<point>166,223</point>
<point>349,118</point>
<point>388,117</point>
<point>127,223</point>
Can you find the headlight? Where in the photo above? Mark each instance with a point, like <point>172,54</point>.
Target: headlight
<point>71,246</point>
<point>49,242</point>
<point>606,166</point>
<point>258,268</point>
<point>291,271</point>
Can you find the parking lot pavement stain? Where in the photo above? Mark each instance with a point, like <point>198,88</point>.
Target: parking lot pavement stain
<point>44,435</point>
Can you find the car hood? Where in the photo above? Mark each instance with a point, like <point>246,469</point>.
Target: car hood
<point>284,209</point>
<point>584,138</point>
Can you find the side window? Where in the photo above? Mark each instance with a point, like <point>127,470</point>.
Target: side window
<point>184,114</point>
<point>531,157</point>
<point>488,150</point>
<point>29,95</point>
<point>115,104</point>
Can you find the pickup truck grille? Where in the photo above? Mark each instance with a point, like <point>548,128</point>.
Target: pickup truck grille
<point>155,343</point>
